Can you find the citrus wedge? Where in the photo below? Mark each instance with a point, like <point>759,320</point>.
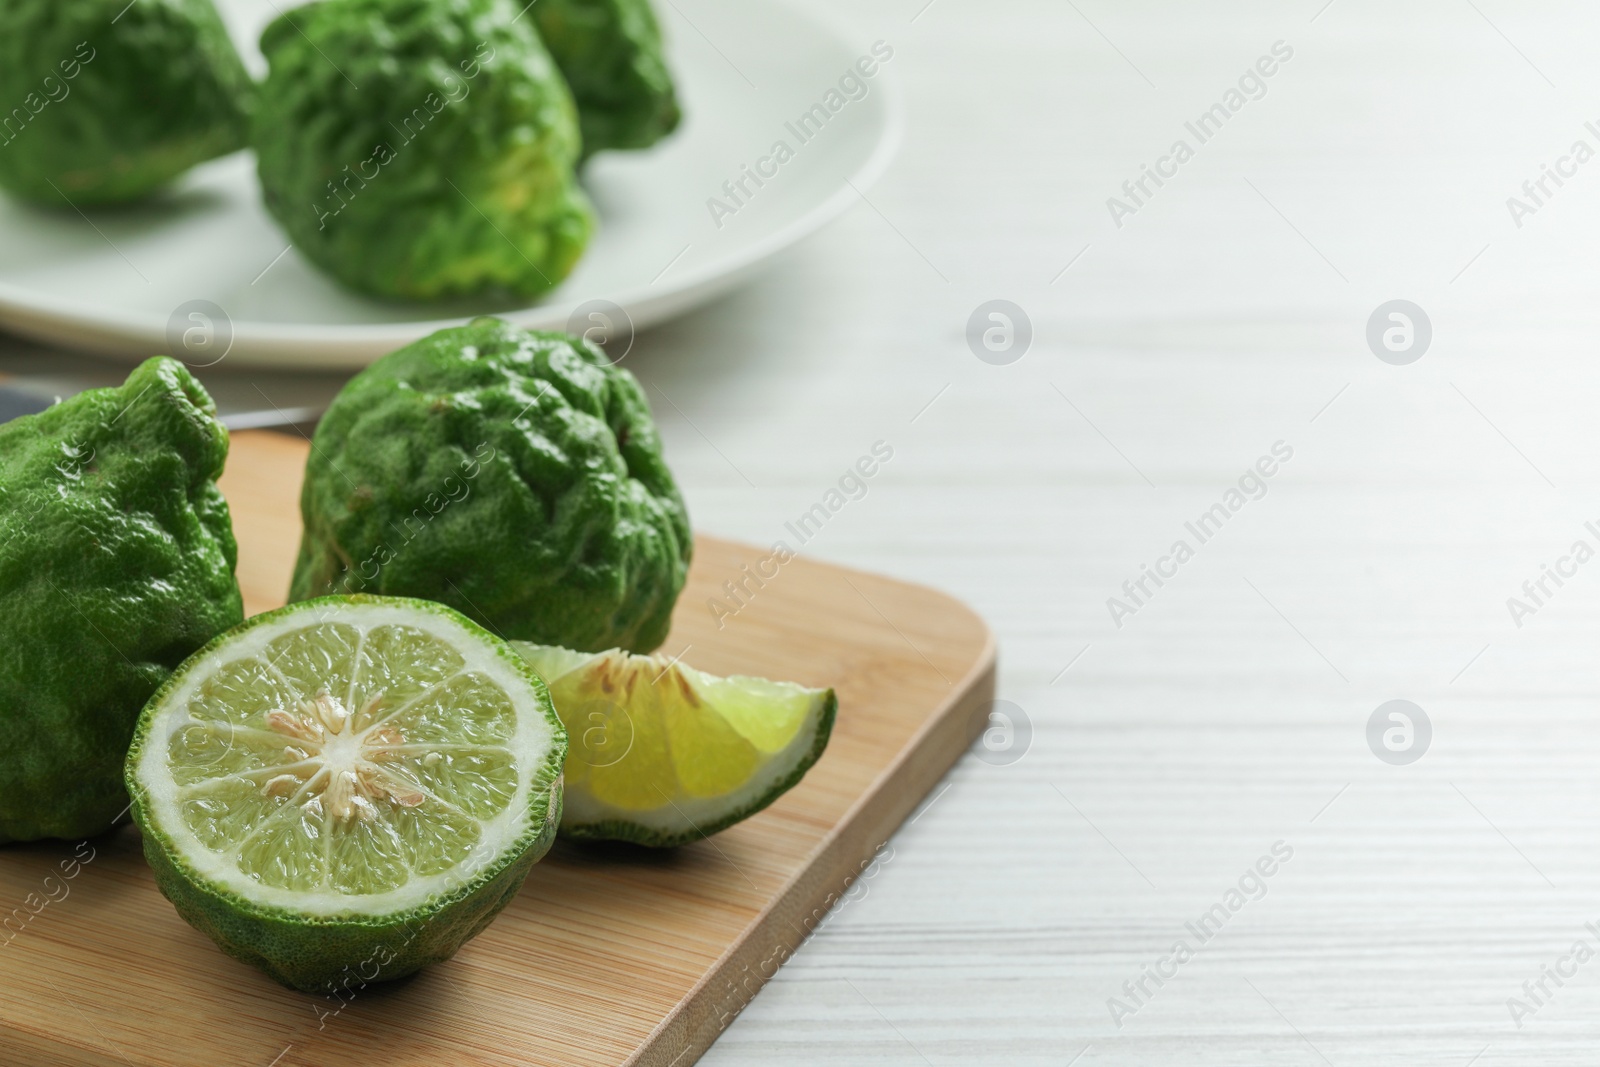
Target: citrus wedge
<point>347,789</point>
<point>662,754</point>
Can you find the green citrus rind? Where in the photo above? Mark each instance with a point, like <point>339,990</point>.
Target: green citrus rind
<point>336,954</point>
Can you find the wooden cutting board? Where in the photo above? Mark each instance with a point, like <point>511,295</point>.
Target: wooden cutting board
<point>610,955</point>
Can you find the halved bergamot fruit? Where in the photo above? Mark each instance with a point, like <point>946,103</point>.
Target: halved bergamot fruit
<point>663,754</point>
<point>347,789</point>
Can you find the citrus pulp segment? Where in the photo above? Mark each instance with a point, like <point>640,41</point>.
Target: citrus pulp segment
<point>662,754</point>
<point>348,786</point>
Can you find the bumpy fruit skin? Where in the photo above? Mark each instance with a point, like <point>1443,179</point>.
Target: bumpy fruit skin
<point>611,54</point>
<point>421,149</point>
<point>339,956</point>
<point>116,562</point>
<point>510,474</point>
<point>108,101</point>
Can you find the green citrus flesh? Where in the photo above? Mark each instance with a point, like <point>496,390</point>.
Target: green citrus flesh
<point>347,789</point>
<point>663,754</point>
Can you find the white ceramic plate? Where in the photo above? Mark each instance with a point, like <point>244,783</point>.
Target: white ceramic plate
<point>115,281</point>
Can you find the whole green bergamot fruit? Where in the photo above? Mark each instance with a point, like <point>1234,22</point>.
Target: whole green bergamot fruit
<point>611,54</point>
<point>116,562</point>
<point>421,149</point>
<point>510,474</point>
<point>108,100</point>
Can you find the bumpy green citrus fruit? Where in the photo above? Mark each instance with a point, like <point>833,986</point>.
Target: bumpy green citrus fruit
<point>116,562</point>
<point>611,54</point>
<point>510,474</point>
<point>346,790</point>
<point>107,100</point>
<point>421,148</point>
<point>662,754</point>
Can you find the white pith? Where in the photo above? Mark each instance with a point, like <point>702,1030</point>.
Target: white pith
<point>683,813</point>
<point>347,751</point>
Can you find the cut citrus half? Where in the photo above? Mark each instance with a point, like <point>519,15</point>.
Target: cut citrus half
<point>347,789</point>
<point>662,754</point>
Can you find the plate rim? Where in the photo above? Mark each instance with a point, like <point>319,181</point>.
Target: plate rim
<point>81,324</point>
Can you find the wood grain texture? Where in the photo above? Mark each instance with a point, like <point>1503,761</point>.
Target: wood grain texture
<point>1168,354</point>
<point>611,955</point>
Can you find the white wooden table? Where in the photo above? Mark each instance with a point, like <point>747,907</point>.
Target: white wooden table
<point>1228,313</point>
<point>1229,713</point>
